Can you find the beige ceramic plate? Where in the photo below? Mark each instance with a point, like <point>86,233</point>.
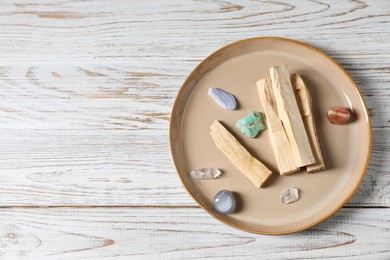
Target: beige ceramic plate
<point>236,68</point>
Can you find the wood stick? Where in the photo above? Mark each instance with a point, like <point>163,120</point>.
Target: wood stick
<point>304,100</point>
<point>280,143</point>
<point>288,112</point>
<point>253,169</point>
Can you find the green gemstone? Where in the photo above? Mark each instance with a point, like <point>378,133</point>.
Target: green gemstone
<point>251,125</point>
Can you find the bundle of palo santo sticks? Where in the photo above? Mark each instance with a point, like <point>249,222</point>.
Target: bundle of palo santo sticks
<point>287,105</point>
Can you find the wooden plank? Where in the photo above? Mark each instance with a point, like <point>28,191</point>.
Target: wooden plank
<point>79,30</point>
<point>130,89</point>
<point>71,133</point>
<point>110,167</point>
<point>90,167</point>
<point>182,233</point>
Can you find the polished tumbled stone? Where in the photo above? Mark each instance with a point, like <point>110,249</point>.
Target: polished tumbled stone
<point>251,125</point>
<point>224,202</point>
<point>205,173</point>
<point>223,98</point>
<point>338,115</point>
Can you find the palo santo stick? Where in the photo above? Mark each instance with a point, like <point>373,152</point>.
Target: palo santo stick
<point>253,169</point>
<point>278,136</point>
<point>304,100</point>
<point>288,112</point>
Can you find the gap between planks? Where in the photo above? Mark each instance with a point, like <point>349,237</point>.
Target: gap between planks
<point>99,206</point>
<point>154,207</point>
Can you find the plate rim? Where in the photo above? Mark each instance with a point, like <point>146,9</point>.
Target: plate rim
<point>283,39</point>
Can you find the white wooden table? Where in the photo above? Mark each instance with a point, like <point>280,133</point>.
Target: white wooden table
<point>86,89</point>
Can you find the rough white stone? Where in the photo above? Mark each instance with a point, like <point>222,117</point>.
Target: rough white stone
<point>289,195</point>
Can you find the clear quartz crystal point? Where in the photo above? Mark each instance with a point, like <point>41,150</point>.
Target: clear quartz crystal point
<point>205,173</point>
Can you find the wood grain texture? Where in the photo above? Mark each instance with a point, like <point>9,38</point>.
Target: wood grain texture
<point>276,132</point>
<point>288,112</point>
<point>249,166</point>
<point>181,233</point>
<point>86,89</point>
<point>304,100</point>
<point>85,30</point>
